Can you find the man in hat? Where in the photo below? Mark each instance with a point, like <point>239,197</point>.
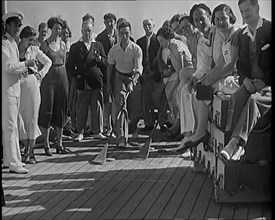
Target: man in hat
<point>12,71</point>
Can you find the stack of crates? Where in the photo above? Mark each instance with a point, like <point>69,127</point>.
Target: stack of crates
<point>247,180</point>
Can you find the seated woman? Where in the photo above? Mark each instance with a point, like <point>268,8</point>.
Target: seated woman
<point>180,57</point>
<point>30,92</point>
<point>184,124</point>
<point>223,56</point>
<point>252,101</point>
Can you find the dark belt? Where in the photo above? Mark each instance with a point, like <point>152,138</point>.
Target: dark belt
<point>57,65</point>
<point>124,74</point>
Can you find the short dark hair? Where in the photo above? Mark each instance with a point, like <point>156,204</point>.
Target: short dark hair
<point>87,17</point>
<point>55,20</point>
<point>123,24</point>
<point>166,32</point>
<point>66,26</point>
<point>166,23</point>
<point>227,9</point>
<point>26,32</point>
<point>42,25</point>
<point>252,2</point>
<point>175,18</point>
<point>109,16</point>
<point>187,17</point>
<point>198,6</point>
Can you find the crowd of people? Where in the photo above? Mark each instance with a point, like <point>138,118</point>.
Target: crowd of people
<point>48,83</point>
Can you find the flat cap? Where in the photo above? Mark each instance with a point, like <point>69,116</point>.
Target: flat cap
<point>11,14</point>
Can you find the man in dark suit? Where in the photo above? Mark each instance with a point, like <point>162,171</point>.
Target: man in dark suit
<point>85,62</point>
<point>150,77</point>
<point>252,101</point>
<point>108,37</point>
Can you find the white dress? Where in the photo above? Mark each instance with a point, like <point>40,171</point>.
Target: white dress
<point>30,96</point>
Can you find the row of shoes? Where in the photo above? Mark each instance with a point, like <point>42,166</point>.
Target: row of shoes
<point>80,137</point>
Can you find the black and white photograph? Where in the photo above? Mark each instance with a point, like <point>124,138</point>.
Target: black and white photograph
<point>136,109</point>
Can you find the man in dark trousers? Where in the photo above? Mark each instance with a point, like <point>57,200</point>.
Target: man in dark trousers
<point>108,37</point>
<point>85,61</point>
<point>149,80</point>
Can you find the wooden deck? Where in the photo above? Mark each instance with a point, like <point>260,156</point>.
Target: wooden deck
<point>160,187</point>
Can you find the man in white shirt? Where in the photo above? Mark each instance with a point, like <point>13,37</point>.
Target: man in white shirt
<point>125,61</point>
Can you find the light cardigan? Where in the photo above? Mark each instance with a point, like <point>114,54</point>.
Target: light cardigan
<point>33,52</point>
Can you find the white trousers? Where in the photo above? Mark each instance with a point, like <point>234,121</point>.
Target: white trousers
<point>11,148</point>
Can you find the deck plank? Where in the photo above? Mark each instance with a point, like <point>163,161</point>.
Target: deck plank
<point>144,189</point>
<point>160,187</point>
<point>190,199</point>
<point>102,178</point>
<point>241,212</point>
<point>180,193</point>
<point>155,191</point>
<point>203,200</point>
<point>168,191</point>
<point>125,196</point>
<point>112,196</point>
<point>255,212</point>
<point>227,211</point>
<point>46,190</point>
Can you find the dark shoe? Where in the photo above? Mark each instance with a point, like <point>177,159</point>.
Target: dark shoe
<point>192,144</point>
<point>173,136</point>
<point>167,129</point>
<point>32,159</point>
<point>61,150</point>
<point>48,152</point>
<point>148,128</point>
<point>24,158</point>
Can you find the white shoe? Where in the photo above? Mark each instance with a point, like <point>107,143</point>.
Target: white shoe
<point>23,164</point>
<point>99,136</point>
<point>79,138</point>
<point>20,170</point>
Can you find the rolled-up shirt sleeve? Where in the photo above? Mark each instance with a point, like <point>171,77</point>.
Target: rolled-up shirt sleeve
<point>138,60</point>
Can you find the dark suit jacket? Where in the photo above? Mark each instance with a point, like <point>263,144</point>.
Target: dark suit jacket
<point>82,65</point>
<point>152,50</point>
<point>263,37</point>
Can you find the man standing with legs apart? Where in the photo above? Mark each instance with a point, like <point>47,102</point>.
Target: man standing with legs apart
<point>12,71</point>
<point>125,60</point>
<point>85,60</point>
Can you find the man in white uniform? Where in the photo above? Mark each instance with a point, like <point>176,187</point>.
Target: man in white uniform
<point>12,71</point>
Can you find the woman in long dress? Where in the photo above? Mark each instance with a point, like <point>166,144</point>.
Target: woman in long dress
<point>54,88</point>
<point>30,93</point>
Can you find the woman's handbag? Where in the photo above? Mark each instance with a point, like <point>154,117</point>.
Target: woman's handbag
<point>204,92</point>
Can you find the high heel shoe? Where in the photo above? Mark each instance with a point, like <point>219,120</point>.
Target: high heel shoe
<point>61,150</point>
<point>192,144</point>
<point>48,152</point>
